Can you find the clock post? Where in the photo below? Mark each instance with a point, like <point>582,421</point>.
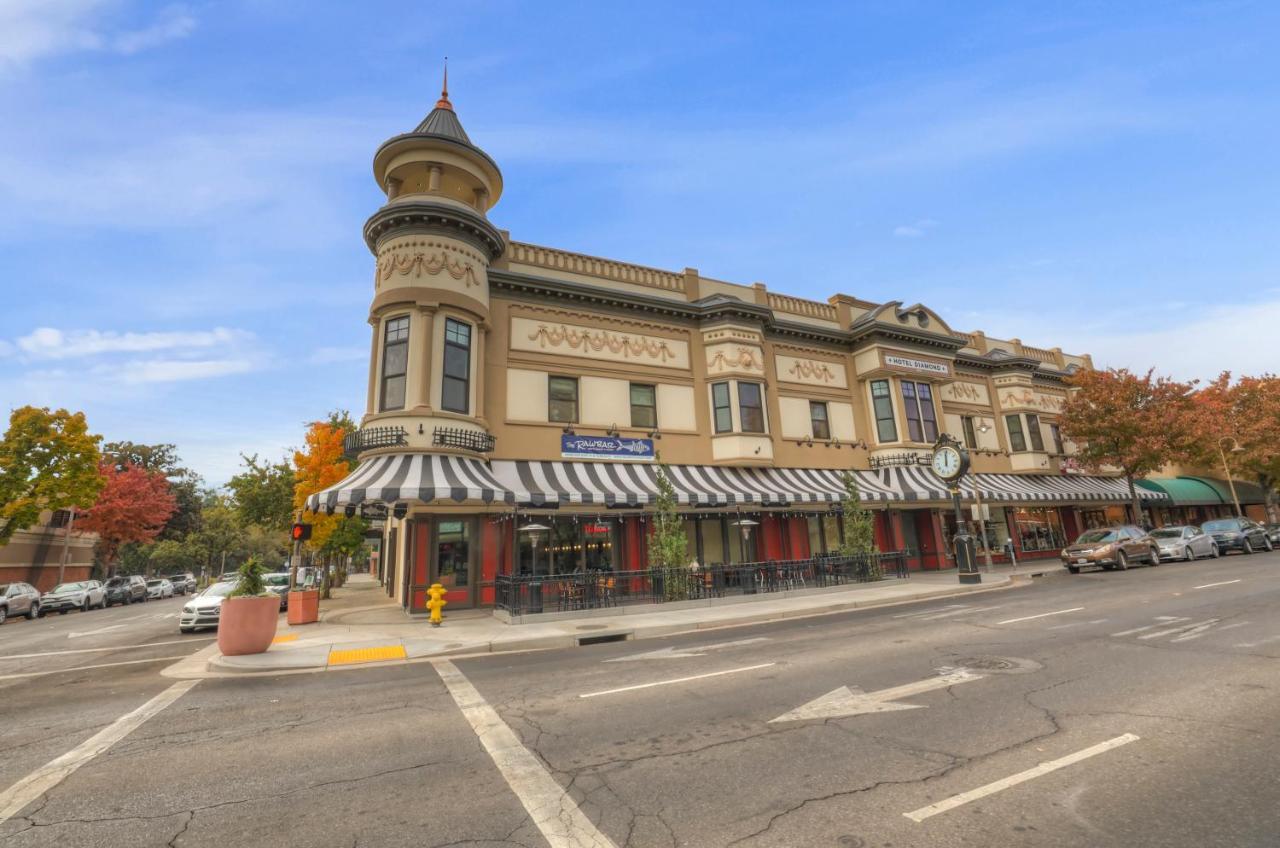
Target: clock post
<point>950,462</point>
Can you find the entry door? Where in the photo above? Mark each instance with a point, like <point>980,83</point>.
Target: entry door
<point>910,538</point>
<point>455,549</point>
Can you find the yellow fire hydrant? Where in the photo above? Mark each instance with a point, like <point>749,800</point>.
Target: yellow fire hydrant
<point>436,603</point>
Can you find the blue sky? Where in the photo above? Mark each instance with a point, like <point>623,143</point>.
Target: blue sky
<point>182,186</point>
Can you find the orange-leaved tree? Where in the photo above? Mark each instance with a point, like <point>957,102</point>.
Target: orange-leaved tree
<point>133,506</point>
<point>318,466</point>
<point>1244,414</point>
<point>1135,423</point>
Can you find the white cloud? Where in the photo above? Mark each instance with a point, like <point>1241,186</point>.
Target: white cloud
<point>915,230</point>
<point>45,343</point>
<point>176,370</point>
<point>329,355</point>
<point>35,29</point>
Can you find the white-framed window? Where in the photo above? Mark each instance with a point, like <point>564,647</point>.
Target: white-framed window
<point>395,363</point>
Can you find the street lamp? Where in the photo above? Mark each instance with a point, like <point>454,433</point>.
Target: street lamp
<point>1235,448</point>
<point>984,427</point>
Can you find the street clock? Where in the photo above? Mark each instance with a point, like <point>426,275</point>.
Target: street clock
<point>950,460</point>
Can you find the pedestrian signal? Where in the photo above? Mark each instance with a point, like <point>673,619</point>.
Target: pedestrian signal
<point>301,532</point>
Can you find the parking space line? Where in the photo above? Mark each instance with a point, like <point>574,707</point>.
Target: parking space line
<point>1041,615</point>
<point>87,667</point>
<point>552,809</point>
<point>676,680</point>
<point>101,650</point>
<point>1211,585</point>
<point>43,779</point>
<point>1021,777</point>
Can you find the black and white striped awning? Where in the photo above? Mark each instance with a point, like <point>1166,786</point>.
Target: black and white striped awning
<point>1021,488</point>
<point>404,477</point>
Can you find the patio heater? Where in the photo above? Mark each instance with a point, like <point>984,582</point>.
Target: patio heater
<point>745,525</point>
<point>533,530</point>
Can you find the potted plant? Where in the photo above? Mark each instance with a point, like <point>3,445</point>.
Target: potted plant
<point>247,622</point>
<point>304,605</point>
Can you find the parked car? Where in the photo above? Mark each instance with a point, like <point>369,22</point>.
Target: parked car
<point>83,595</point>
<point>203,610</point>
<point>1111,547</point>
<point>159,588</point>
<point>125,589</point>
<point>278,584</point>
<point>18,599</point>
<point>183,582</point>
<point>1186,543</point>
<point>1273,533</point>
<point>1238,534</point>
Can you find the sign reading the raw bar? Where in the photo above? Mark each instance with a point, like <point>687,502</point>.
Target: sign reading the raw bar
<point>606,447</point>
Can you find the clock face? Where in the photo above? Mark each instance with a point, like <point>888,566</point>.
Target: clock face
<point>946,463</point>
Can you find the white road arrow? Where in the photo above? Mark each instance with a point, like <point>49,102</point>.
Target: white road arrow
<point>76,634</point>
<point>682,653</point>
<point>851,701</point>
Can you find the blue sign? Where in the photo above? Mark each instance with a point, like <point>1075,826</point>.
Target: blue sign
<point>606,447</point>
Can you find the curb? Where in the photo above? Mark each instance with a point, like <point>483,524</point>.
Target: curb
<point>218,666</point>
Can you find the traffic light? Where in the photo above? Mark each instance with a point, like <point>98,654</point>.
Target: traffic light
<point>301,532</point>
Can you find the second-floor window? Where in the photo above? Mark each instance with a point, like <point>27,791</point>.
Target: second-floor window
<point>1017,441</point>
<point>720,407</point>
<point>751,407</point>
<point>562,399</point>
<point>970,435</point>
<point>455,392</point>
<point>1033,432</point>
<point>818,420</point>
<point>395,362</point>
<point>922,423</point>
<point>644,406</point>
<point>882,403</point>
<point>1056,432</point>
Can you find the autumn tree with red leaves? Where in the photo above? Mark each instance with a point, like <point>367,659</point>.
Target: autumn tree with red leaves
<point>1243,414</point>
<point>1131,422</point>
<point>133,506</point>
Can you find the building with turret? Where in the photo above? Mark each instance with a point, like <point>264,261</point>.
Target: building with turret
<point>520,397</point>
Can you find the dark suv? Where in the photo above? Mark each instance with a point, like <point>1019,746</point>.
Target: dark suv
<point>1238,534</point>
<point>183,582</point>
<point>126,589</point>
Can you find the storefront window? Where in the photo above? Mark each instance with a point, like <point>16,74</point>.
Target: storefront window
<point>713,541</point>
<point>816,545</point>
<point>566,545</point>
<point>599,538</point>
<point>453,553</point>
<point>1039,528</point>
<point>1107,516</point>
<point>831,531</point>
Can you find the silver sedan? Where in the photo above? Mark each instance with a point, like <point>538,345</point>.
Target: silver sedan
<point>1184,542</point>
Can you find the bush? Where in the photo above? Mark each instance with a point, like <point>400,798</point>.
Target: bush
<point>249,583</point>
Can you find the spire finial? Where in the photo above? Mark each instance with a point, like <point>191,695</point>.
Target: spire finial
<point>443,102</point>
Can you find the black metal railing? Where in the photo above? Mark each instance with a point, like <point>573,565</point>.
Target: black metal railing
<point>531,594</point>
<point>374,437</point>
<point>458,437</point>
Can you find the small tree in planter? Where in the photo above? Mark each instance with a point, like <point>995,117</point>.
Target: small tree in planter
<point>859,528</point>
<point>247,622</point>
<point>668,544</point>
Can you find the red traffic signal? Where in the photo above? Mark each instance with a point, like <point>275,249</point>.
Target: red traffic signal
<point>301,532</point>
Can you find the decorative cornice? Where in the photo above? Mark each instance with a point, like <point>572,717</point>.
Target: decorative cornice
<point>444,219</point>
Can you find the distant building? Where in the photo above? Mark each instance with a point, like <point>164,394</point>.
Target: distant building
<point>34,555</point>
<point>512,383</point>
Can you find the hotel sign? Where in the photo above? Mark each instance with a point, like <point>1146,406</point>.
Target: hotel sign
<point>910,363</point>
<point>606,447</point>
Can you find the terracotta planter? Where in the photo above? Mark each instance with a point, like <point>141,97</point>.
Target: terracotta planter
<point>247,625</point>
<point>304,606</point>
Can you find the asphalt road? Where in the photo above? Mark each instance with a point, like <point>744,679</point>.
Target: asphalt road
<point>1150,695</point>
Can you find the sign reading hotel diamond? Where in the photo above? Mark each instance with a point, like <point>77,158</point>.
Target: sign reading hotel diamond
<point>916,364</point>
<point>606,447</point>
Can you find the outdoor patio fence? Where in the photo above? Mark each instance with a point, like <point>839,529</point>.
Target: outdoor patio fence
<point>532,594</point>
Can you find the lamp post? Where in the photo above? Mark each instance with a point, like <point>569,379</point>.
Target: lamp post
<point>950,462</point>
<point>984,427</point>
<point>1235,448</point>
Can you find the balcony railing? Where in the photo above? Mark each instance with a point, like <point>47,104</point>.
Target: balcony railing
<point>459,437</point>
<point>370,438</point>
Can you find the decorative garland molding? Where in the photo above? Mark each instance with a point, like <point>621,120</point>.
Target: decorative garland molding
<point>807,369</point>
<point>419,262</point>
<point>745,360</point>
<point>586,341</point>
<point>521,308</point>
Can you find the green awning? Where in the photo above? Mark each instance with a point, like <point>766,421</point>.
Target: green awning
<point>1249,493</point>
<point>1186,491</point>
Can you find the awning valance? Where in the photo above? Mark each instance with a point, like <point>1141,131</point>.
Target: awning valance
<point>1185,491</point>
<point>1248,493</point>
<point>401,477</point>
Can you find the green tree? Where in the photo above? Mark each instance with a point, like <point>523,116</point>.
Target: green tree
<point>859,526</point>
<point>169,555</point>
<point>668,544</point>
<point>263,493</point>
<point>220,535</point>
<point>48,460</point>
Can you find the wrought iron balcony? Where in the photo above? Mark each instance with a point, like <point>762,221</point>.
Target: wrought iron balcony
<point>896,459</point>
<point>458,437</point>
<point>370,438</point>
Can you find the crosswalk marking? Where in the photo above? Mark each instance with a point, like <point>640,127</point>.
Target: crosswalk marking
<point>1196,634</point>
<point>1199,625</point>
<point>1165,619</point>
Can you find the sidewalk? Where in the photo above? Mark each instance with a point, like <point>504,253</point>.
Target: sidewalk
<point>361,625</point>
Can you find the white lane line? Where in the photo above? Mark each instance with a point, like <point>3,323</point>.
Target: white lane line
<point>1021,777</point>
<point>100,650</point>
<point>79,634</point>
<point>958,612</point>
<point>676,680</point>
<point>1180,629</point>
<point>555,813</point>
<point>1211,585</point>
<point>1165,619</point>
<point>87,667</point>
<point>928,611</point>
<point>1041,615</point>
<point>43,779</point>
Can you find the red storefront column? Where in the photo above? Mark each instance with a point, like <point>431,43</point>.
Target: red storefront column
<point>771,537</point>
<point>633,554</point>
<point>1070,522</point>
<point>933,548</point>
<point>798,536</point>
<point>883,532</point>
<point>418,581</point>
<point>895,527</point>
<point>493,552</point>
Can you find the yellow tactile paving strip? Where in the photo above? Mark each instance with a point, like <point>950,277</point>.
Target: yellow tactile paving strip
<point>364,655</point>
<point>284,637</point>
